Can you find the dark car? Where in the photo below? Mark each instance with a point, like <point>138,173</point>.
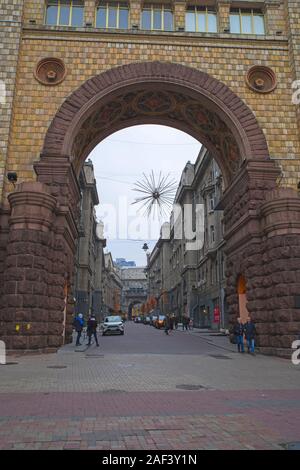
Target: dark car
<point>147,321</point>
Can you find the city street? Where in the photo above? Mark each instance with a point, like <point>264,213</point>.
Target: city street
<point>146,390</point>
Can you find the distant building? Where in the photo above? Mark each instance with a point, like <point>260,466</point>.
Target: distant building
<point>112,286</point>
<point>184,278</point>
<point>122,263</point>
<point>90,258</point>
<point>135,286</point>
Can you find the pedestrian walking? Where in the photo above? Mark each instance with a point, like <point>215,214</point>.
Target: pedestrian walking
<point>238,331</point>
<point>250,335</point>
<point>92,330</point>
<point>78,325</point>
<point>167,325</point>
<point>185,323</point>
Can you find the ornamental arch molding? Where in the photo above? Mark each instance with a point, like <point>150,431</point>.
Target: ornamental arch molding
<point>157,93</point>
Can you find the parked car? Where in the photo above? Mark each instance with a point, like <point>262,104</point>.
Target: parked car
<point>153,319</point>
<point>160,321</point>
<point>147,320</point>
<point>113,325</point>
<point>137,320</point>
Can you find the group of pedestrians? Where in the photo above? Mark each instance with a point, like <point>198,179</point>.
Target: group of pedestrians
<point>91,330</point>
<point>171,323</point>
<point>245,331</point>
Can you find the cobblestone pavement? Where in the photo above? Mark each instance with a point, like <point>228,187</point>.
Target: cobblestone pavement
<point>148,391</point>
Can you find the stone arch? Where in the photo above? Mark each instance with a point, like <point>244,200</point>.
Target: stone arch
<point>262,222</point>
<point>132,304</point>
<point>157,93</point>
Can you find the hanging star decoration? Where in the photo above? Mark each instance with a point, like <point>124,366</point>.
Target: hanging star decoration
<point>157,194</point>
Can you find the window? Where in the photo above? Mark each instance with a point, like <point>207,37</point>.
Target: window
<point>201,19</point>
<point>157,17</point>
<point>112,15</point>
<point>247,21</point>
<point>64,13</point>
<point>212,234</point>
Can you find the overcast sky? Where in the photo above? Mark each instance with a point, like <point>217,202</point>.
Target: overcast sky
<point>120,161</point>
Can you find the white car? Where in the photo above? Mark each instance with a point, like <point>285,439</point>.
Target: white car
<point>113,325</point>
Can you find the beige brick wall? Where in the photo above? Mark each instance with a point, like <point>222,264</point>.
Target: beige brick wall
<point>179,14</point>
<point>275,19</point>
<point>34,10</point>
<point>10,30</point>
<point>88,53</point>
<point>293,21</point>
<point>223,9</point>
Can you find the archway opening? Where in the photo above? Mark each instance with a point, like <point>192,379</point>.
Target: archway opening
<point>150,93</point>
<point>242,296</point>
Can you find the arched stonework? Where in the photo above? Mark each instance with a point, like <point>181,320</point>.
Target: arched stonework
<point>262,222</point>
<point>163,93</point>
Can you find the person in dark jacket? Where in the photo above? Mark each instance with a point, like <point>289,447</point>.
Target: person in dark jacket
<point>78,325</point>
<point>250,334</point>
<point>238,331</point>
<point>92,330</point>
<point>167,325</point>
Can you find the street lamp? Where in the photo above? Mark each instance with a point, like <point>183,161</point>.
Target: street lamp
<point>145,248</point>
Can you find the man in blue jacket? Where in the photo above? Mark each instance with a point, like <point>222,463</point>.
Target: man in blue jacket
<point>78,325</point>
<point>238,331</point>
<point>250,334</point>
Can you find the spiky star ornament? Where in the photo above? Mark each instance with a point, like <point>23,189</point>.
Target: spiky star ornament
<point>158,195</point>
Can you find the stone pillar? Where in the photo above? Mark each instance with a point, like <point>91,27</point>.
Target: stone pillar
<point>280,225</point>
<point>179,14</point>
<point>135,13</point>
<point>90,12</point>
<point>262,231</point>
<point>223,10</point>
<point>36,304</point>
<point>32,294</point>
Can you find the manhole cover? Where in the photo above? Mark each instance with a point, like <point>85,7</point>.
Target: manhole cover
<point>191,387</point>
<point>292,446</point>
<point>219,356</point>
<point>56,367</point>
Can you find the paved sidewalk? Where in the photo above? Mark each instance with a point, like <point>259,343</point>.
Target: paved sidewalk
<point>145,390</point>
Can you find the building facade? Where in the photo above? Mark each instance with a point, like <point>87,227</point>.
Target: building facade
<point>187,267</point>
<point>90,257</point>
<point>112,287</point>
<point>222,71</point>
<point>134,288</point>
<point>210,309</point>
